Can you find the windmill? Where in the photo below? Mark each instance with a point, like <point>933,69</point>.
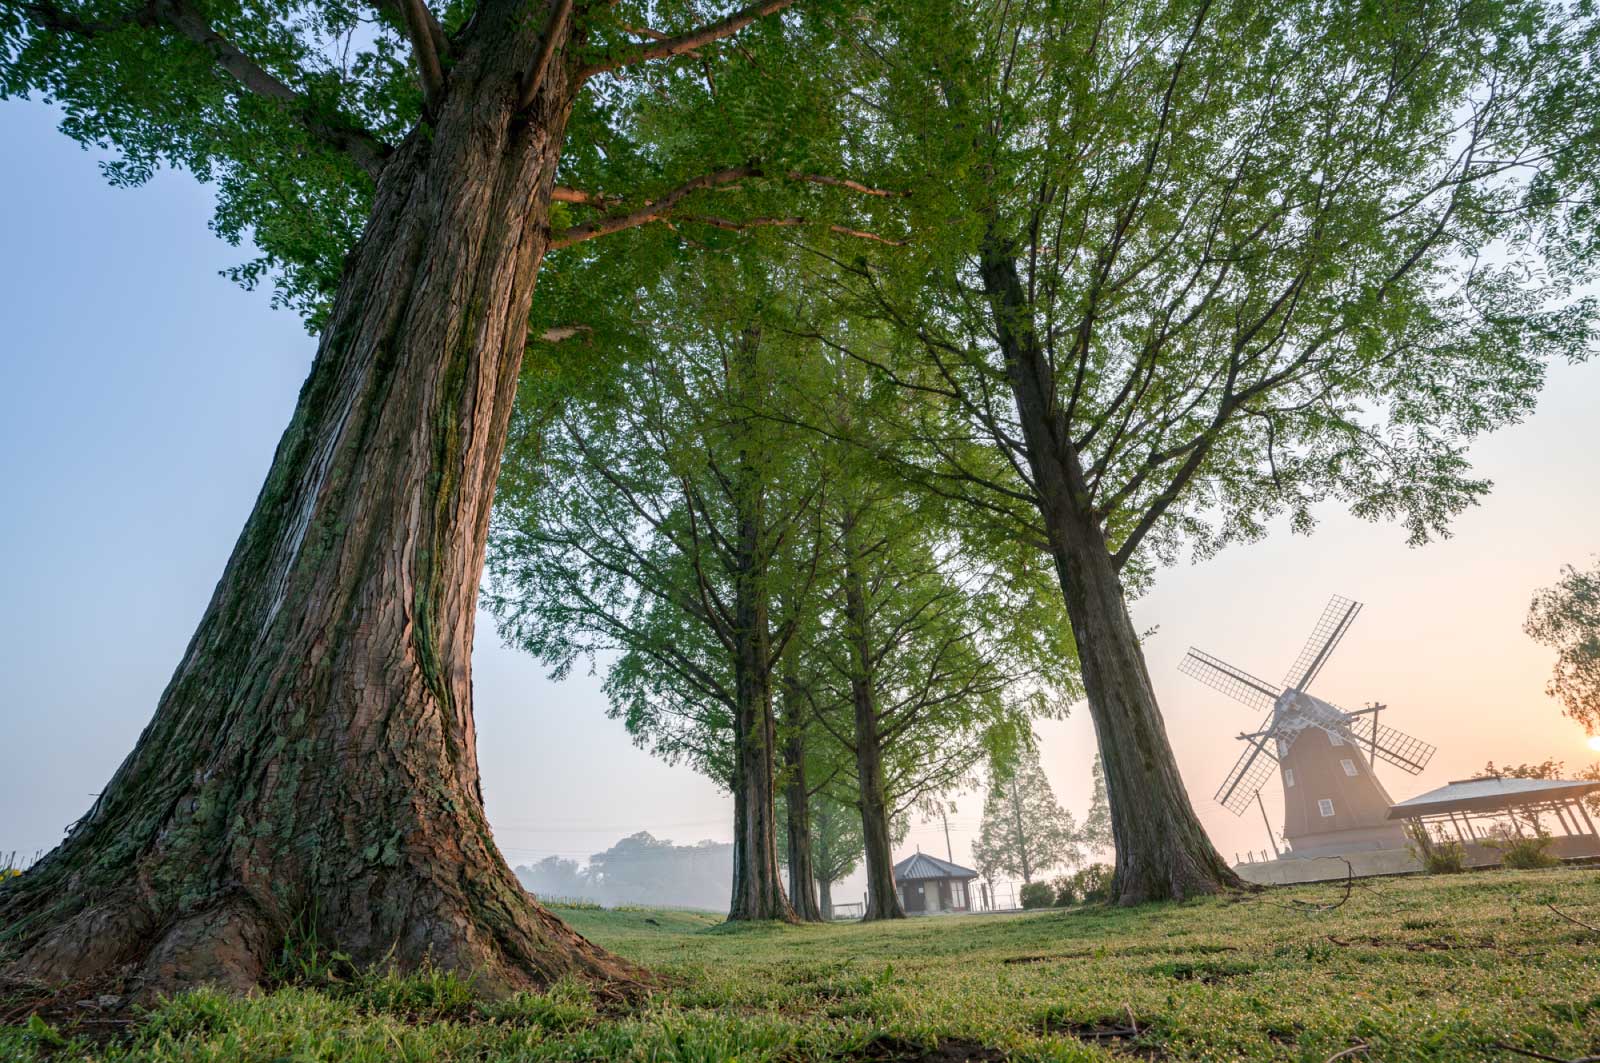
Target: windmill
<point>1323,754</point>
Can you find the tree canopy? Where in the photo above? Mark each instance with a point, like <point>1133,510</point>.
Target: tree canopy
<point>1566,617</point>
<point>1025,831</point>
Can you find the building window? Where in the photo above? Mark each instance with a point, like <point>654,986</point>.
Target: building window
<point>1288,776</point>
<point>1334,740</point>
<point>958,894</point>
<point>1325,806</point>
<point>1349,768</point>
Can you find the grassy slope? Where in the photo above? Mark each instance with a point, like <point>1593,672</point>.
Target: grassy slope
<point>1415,968</point>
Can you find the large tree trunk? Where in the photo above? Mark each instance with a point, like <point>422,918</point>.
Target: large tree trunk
<point>797,813</point>
<point>312,762</point>
<point>882,900</point>
<point>1162,850</point>
<point>757,884</point>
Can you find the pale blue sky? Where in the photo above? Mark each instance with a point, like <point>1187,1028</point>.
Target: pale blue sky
<point>146,394</point>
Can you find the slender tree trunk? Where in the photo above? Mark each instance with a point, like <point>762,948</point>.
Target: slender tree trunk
<point>1022,836</point>
<point>882,900</point>
<point>757,884</point>
<point>797,809</point>
<point>1162,850</point>
<point>825,897</point>
<point>313,762</point>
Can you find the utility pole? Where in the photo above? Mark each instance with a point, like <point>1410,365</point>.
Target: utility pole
<point>1268,824</point>
<point>949,853</point>
<point>1372,750</point>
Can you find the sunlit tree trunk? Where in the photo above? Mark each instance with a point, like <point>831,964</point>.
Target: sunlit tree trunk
<point>1162,850</point>
<point>312,762</point>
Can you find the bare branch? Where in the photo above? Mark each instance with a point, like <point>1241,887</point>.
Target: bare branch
<point>683,43</point>
<point>653,210</point>
<point>562,194</point>
<point>423,30</point>
<point>554,32</point>
<point>557,333</point>
<point>841,182</point>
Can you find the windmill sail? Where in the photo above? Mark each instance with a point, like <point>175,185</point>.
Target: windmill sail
<point>1336,620</point>
<point>1250,773</point>
<point>1238,684</point>
<point>1405,752</point>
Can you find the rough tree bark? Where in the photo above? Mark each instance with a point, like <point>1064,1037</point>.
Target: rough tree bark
<point>313,762</point>
<point>882,900</point>
<point>757,883</point>
<point>1162,850</point>
<point>797,811</point>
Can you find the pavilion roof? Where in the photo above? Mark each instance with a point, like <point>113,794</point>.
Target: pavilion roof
<point>921,865</point>
<point>1492,794</point>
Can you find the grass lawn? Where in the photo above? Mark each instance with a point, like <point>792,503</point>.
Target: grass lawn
<point>1419,968</point>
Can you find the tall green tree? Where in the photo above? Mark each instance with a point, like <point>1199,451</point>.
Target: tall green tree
<point>1095,835</point>
<point>924,663</point>
<point>836,846</point>
<point>1566,617</point>
<point>671,523</point>
<point>1024,830</point>
<point>938,647</point>
<point>1182,269</point>
<point>314,754</point>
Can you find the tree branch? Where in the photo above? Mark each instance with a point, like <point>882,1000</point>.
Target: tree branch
<point>557,333</point>
<point>653,210</point>
<point>397,18</point>
<point>343,134</point>
<point>667,47</point>
<point>423,29</point>
<point>553,32</point>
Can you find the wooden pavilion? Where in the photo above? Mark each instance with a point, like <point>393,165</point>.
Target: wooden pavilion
<point>1483,811</point>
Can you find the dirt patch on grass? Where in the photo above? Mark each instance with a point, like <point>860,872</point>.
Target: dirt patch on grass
<point>889,1049</point>
<point>100,1011</point>
<point>1200,949</point>
<point>1204,973</point>
<point>1121,1034</point>
<point>1431,944</point>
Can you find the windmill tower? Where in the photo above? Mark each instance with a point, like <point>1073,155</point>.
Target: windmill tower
<point>1324,755</point>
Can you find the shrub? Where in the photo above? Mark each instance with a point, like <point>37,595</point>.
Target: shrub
<point>1038,895</point>
<point>1087,885</point>
<point>1439,855</point>
<point>1525,853</point>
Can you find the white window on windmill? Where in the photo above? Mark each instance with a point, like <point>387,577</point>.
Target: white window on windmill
<point>1349,767</point>
<point>1325,806</point>
<point>1283,748</point>
<point>1334,739</point>
<point>1288,776</point>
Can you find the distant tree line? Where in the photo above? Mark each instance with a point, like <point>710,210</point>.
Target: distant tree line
<point>639,869</point>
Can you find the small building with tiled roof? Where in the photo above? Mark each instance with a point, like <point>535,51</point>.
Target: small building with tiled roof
<point>928,885</point>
